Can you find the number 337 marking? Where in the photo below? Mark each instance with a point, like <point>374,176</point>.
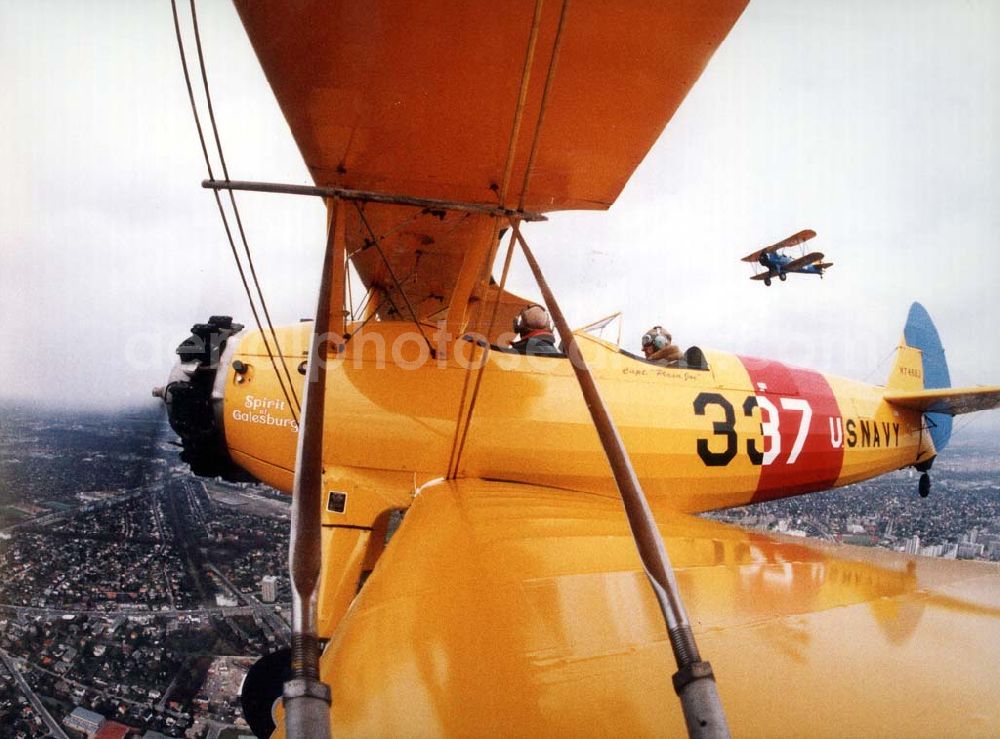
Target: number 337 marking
<point>769,426</point>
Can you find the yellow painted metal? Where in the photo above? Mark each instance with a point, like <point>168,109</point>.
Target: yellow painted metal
<point>397,418</point>
<point>528,422</point>
<point>908,370</point>
<point>518,608</point>
<point>864,403</point>
<point>502,609</point>
<point>344,552</point>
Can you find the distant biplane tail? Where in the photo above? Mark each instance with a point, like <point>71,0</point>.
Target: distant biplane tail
<point>920,381</point>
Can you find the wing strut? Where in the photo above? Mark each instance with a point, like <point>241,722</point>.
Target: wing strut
<point>694,681</point>
<point>371,197</point>
<point>306,697</point>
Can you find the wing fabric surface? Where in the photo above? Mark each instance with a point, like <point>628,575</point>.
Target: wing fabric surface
<point>422,98</point>
<point>444,99</point>
<point>517,610</point>
<point>954,400</point>
<point>793,240</point>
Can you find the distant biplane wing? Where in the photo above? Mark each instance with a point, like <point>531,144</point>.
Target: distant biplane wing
<point>952,400</point>
<point>762,275</point>
<point>800,238</point>
<point>753,256</point>
<point>507,609</point>
<point>803,261</point>
<point>444,100</point>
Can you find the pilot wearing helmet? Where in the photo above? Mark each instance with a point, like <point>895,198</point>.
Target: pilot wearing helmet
<point>534,331</point>
<point>657,346</point>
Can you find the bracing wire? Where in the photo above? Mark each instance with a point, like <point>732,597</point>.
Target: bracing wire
<point>392,274</point>
<point>880,365</point>
<point>350,291</point>
<point>236,212</point>
<point>239,222</point>
<point>549,78</point>
<point>293,406</point>
<point>364,302</point>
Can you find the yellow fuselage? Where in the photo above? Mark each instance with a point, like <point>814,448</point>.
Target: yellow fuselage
<point>741,431</point>
<point>399,416</point>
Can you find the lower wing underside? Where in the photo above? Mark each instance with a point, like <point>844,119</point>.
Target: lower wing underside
<point>515,610</point>
<point>804,261</point>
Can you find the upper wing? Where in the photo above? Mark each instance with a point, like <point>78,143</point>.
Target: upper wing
<point>443,99</point>
<point>515,610</point>
<point>754,256</point>
<point>951,400</point>
<point>802,261</point>
<point>794,239</point>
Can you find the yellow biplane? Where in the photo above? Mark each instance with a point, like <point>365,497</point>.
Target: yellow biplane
<point>543,495</point>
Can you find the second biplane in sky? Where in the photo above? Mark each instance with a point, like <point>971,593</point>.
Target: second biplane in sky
<point>778,264</point>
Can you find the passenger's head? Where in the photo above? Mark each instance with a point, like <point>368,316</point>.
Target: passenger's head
<point>654,340</point>
<point>532,318</point>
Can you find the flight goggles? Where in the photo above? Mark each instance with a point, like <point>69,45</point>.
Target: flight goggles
<point>657,340</point>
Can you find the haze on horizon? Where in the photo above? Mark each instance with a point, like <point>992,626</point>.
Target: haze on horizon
<point>874,124</point>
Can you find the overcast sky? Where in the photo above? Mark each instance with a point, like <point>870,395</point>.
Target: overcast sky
<point>877,124</point>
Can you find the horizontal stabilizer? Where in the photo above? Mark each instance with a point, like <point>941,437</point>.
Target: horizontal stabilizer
<point>952,401</point>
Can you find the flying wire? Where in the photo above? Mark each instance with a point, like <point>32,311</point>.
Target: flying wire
<point>364,302</point>
<point>502,193</point>
<point>236,213</point>
<point>392,274</point>
<point>549,77</point>
<point>529,57</point>
<point>222,214</point>
<point>880,364</point>
<point>350,291</point>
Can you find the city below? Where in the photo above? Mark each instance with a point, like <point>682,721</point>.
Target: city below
<point>960,519</point>
<point>136,596</point>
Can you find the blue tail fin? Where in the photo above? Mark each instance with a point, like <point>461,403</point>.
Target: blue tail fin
<point>920,333</point>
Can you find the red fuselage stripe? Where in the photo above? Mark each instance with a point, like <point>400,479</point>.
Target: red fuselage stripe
<point>803,448</point>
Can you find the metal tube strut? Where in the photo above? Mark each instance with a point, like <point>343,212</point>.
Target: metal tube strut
<point>372,197</point>
<point>307,699</point>
<point>694,681</point>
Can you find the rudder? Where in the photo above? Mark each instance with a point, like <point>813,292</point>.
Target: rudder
<point>921,364</point>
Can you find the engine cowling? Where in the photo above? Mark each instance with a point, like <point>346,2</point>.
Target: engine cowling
<point>194,396</point>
